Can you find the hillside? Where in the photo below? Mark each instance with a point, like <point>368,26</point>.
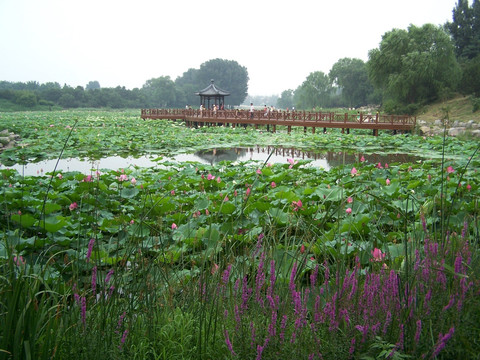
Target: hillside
<point>459,108</point>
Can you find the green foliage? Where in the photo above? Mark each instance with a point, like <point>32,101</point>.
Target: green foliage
<point>351,77</point>
<point>470,82</point>
<point>465,29</point>
<point>285,101</point>
<point>26,99</point>
<point>314,92</point>
<point>414,66</point>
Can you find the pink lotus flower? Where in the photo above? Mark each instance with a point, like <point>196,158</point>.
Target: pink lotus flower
<point>379,166</point>
<point>210,177</point>
<point>349,200</point>
<point>348,210</point>
<point>292,162</point>
<point>172,192</point>
<point>297,205</point>
<point>214,268</point>
<point>225,199</point>
<point>386,166</point>
<point>60,176</point>
<point>362,159</point>
<point>387,181</point>
<point>302,249</point>
<point>73,206</point>
<point>450,170</point>
<point>174,226</point>
<point>377,255</point>
<point>259,172</point>
<point>133,181</point>
<point>207,212</point>
<point>19,260</point>
<point>248,191</point>
<point>469,187</point>
<point>88,178</point>
<point>354,171</point>
<point>273,185</point>
<point>123,177</point>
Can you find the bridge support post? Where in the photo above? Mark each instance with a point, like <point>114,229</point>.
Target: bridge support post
<point>313,130</point>
<point>289,129</point>
<point>274,128</point>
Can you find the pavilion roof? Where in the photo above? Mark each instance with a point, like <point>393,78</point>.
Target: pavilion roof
<point>212,90</point>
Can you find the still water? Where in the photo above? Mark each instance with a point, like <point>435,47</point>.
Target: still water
<point>325,160</point>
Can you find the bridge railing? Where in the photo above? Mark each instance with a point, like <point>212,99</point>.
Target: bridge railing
<point>280,116</point>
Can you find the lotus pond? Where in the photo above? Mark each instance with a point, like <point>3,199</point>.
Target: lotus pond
<point>236,259</point>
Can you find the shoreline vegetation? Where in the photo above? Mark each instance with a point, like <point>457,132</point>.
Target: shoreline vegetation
<point>237,260</point>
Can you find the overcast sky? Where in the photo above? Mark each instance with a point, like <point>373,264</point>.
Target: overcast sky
<point>126,43</point>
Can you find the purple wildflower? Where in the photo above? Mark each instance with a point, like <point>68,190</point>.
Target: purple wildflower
<point>229,344</point>
<point>442,341</point>
<point>260,280</point>
<point>124,338</point>
<point>418,331</point>
<point>109,276</point>
<point>450,303</point>
<point>292,277</point>
<point>458,264</point>
<point>226,274</point>
<point>90,248</point>
<point>120,320</point>
<point>352,347</point>
<point>83,302</point>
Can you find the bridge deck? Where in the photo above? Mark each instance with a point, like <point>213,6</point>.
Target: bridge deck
<point>194,117</point>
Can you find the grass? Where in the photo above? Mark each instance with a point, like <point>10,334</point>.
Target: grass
<point>460,108</point>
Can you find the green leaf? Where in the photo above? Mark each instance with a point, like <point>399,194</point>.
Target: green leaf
<point>53,223</point>
<point>129,192</point>
<point>227,208</point>
<point>26,220</point>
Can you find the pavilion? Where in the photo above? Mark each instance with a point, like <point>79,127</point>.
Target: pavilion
<point>212,92</point>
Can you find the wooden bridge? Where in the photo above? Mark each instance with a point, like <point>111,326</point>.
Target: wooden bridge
<point>305,119</point>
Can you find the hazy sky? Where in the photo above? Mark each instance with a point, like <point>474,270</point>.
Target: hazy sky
<point>126,43</point>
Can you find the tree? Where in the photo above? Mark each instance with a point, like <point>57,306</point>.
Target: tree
<point>160,92</point>
<point>285,101</point>
<point>92,85</point>
<point>187,86</point>
<point>228,75</point>
<point>351,76</point>
<point>26,98</point>
<point>314,92</point>
<point>465,29</point>
<point>415,66</point>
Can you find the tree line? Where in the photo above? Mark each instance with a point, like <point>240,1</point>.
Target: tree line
<point>409,69</point>
<point>156,92</point>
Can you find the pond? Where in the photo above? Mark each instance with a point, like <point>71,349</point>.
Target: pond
<point>274,155</point>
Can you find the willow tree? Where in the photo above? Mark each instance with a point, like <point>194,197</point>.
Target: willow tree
<point>315,91</point>
<point>414,66</point>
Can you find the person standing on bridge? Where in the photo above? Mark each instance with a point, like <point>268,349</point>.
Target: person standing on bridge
<point>251,110</point>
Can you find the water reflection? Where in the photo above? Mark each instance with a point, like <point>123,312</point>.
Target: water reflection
<point>324,160</point>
